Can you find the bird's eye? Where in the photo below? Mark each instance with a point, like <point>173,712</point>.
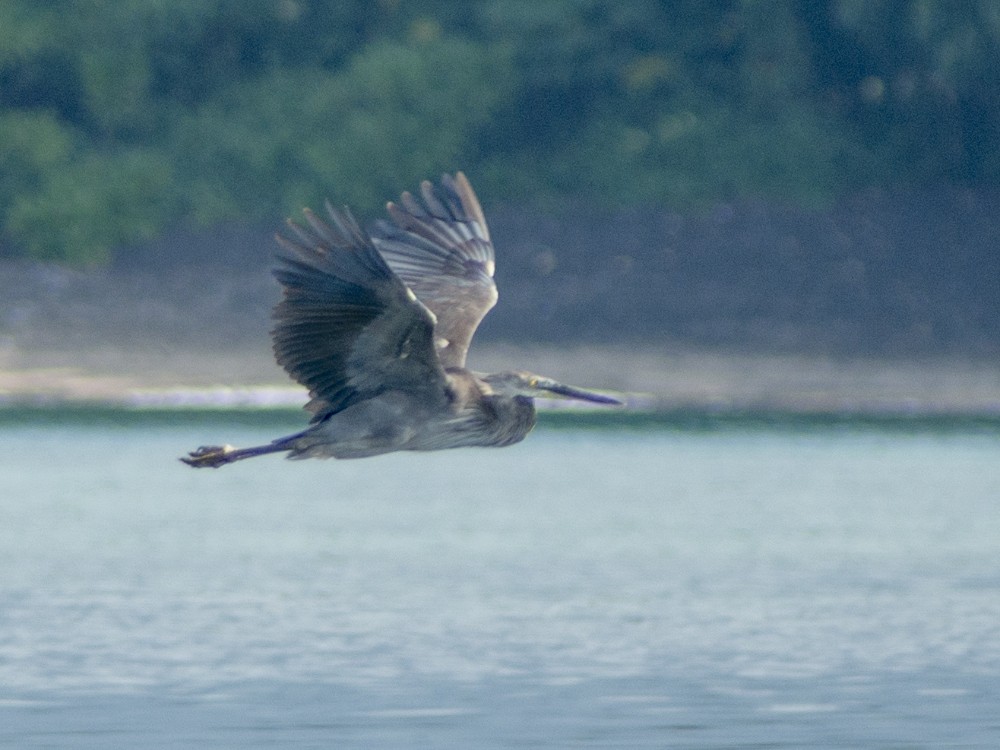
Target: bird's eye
<point>533,382</point>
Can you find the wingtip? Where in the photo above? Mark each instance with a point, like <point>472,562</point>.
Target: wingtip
<point>470,202</point>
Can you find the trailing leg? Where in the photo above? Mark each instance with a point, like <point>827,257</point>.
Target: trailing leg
<point>214,456</point>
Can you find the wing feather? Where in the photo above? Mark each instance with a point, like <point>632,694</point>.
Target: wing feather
<point>440,247</point>
<point>347,327</point>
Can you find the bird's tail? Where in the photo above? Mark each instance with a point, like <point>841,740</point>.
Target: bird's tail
<point>214,456</point>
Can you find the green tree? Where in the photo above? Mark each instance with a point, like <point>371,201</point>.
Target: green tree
<point>120,119</point>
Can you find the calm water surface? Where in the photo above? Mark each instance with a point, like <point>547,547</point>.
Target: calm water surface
<point>588,588</point>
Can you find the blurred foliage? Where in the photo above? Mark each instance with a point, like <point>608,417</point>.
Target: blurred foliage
<point>118,119</point>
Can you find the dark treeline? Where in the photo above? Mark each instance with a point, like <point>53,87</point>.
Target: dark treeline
<point>121,119</point>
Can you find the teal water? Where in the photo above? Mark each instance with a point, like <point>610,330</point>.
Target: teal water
<point>663,583</point>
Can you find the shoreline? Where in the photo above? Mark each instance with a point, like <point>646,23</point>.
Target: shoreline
<point>653,379</point>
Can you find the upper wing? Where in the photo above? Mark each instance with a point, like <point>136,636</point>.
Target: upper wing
<point>348,328</point>
<point>441,249</point>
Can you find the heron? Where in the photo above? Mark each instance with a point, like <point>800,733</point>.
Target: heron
<point>376,325</point>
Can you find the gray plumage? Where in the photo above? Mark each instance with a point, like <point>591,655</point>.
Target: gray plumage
<point>377,326</point>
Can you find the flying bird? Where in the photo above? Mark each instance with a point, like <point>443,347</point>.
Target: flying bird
<point>377,326</point>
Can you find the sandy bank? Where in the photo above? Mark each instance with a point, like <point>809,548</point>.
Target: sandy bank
<point>654,378</point>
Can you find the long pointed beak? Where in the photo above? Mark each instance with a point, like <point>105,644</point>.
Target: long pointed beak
<point>568,391</point>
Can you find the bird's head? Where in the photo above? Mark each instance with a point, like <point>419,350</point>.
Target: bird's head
<point>528,384</point>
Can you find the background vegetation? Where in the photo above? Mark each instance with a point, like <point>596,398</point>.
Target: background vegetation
<point>120,119</point>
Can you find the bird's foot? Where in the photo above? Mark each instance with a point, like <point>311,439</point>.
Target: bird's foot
<point>210,456</point>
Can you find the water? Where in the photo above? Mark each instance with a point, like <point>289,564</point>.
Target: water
<point>689,588</point>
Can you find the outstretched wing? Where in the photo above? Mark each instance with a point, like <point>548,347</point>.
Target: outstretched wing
<point>441,250</point>
<point>348,328</point>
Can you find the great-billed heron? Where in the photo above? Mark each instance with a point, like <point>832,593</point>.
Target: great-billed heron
<point>377,325</point>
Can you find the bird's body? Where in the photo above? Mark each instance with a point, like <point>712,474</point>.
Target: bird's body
<point>395,421</point>
<point>377,327</point>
